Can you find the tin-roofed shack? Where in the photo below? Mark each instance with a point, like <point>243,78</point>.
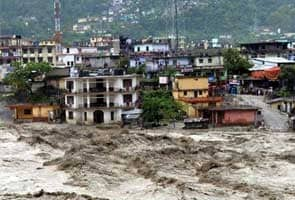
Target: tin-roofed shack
<point>234,115</point>
<point>33,112</point>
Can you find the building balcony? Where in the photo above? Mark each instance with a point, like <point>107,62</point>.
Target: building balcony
<point>104,90</point>
<point>201,100</point>
<point>103,105</point>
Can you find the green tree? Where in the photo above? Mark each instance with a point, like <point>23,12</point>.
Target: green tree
<point>23,76</point>
<point>159,106</point>
<point>234,63</point>
<point>287,78</point>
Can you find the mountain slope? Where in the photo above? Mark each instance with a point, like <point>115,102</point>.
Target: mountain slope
<point>198,19</point>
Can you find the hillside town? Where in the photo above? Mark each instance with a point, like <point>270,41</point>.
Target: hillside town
<point>115,117</point>
<point>105,80</point>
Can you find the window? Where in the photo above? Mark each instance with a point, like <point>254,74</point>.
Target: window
<point>138,49</point>
<point>40,59</point>
<point>127,83</point>
<point>127,99</point>
<point>112,116</point>
<point>78,58</point>
<point>85,116</point>
<point>31,50</point>
<point>201,60</point>
<point>68,63</point>
<point>49,50</point>
<point>68,50</point>
<point>196,94</point>
<point>70,100</point>
<point>25,60</point>
<point>147,48</point>
<point>200,92</point>
<point>25,51</point>
<point>32,59</point>
<point>39,50</point>
<point>71,115</point>
<point>50,59</point>
<point>209,60</point>
<point>27,111</point>
<point>185,93</point>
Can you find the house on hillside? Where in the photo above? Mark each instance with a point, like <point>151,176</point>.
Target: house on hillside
<point>265,49</point>
<point>193,93</point>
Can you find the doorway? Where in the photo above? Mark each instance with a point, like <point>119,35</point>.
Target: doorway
<point>98,117</point>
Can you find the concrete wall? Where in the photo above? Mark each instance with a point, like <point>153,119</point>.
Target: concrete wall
<point>215,61</point>
<point>191,83</point>
<point>239,117</point>
<point>151,48</point>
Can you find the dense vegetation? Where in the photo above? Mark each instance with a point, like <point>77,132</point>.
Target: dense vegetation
<point>159,106</point>
<point>198,18</point>
<point>23,78</point>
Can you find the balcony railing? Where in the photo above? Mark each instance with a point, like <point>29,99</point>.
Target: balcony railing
<point>103,90</point>
<point>201,100</point>
<point>102,105</point>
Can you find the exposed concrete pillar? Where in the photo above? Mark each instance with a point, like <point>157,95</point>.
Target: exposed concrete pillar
<point>108,100</point>
<point>107,85</point>
<point>88,85</point>
<point>88,101</point>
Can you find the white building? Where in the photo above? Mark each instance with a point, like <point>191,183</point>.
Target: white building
<point>270,62</point>
<point>151,47</point>
<point>100,99</point>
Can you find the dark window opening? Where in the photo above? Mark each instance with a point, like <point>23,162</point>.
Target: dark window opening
<point>112,116</point>
<point>70,100</point>
<point>196,93</point>
<point>85,116</point>
<point>127,98</point>
<point>50,59</point>
<point>27,111</point>
<point>71,115</point>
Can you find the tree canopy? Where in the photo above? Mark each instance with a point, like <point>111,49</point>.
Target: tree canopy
<point>158,106</point>
<point>234,63</point>
<point>23,76</point>
<point>287,78</point>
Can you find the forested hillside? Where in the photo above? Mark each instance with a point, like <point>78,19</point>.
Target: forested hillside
<point>198,19</point>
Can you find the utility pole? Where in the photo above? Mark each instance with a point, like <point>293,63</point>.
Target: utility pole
<point>176,24</point>
<point>58,34</point>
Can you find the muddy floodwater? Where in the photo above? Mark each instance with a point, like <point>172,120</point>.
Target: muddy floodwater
<point>41,161</point>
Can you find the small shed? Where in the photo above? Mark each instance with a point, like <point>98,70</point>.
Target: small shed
<point>33,112</point>
<point>234,115</point>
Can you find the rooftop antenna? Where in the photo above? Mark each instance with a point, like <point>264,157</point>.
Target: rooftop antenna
<point>58,34</point>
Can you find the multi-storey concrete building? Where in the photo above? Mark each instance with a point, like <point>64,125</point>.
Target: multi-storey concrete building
<point>100,99</point>
<point>43,51</point>
<point>265,49</point>
<point>10,51</point>
<point>87,57</point>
